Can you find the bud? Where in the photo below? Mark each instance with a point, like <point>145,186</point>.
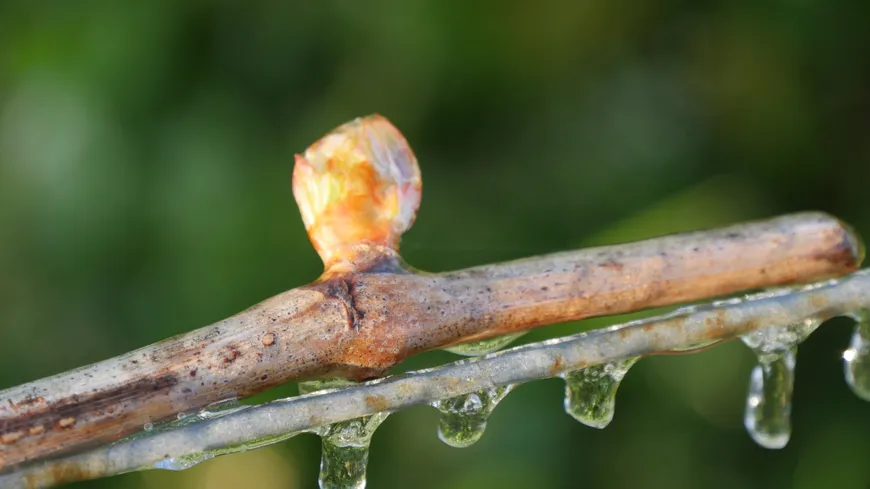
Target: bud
<point>358,188</point>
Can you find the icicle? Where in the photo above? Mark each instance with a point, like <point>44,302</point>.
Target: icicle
<point>463,418</point>
<point>768,404</point>
<point>345,452</point>
<point>590,393</point>
<point>483,347</point>
<point>857,357</point>
<point>345,445</point>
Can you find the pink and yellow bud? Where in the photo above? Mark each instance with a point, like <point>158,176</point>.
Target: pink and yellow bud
<point>357,188</point>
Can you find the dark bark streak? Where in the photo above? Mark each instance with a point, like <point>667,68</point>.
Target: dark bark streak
<point>64,414</point>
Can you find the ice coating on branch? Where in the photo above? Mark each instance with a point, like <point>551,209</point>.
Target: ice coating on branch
<point>357,186</point>
<point>482,347</point>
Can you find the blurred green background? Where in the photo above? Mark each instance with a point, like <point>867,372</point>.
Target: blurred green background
<point>145,159</point>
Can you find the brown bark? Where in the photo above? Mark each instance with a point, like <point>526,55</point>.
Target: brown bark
<point>359,323</point>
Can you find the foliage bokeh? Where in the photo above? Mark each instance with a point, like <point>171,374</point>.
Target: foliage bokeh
<point>146,149</point>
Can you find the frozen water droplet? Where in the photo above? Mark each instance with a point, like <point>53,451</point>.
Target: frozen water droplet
<point>590,393</point>
<point>768,403</point>
<point>345,452</point>
<point>483,347</point>
<point>148,426</point>
<point>857,357</point>
<point>463,418</point>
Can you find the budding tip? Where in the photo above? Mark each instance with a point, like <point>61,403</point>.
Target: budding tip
<point>357,187</point>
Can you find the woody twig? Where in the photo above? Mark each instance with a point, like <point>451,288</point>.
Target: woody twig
<point>358,189</point>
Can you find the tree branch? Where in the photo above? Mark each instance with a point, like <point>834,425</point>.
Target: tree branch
<point>359,323</point>
<point>256,426</point>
